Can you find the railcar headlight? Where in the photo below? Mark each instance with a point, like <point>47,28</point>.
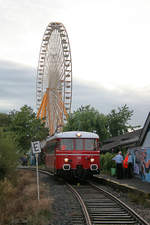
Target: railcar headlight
<point>92,160</point>
<point>66,160</point>
<point>78,134</point>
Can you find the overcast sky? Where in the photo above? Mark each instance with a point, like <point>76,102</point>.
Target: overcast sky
<point>110,47</point>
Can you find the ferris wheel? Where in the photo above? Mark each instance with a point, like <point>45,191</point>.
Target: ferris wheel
<point>54,77</point>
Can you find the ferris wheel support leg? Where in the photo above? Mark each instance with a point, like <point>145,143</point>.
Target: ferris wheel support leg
<point>63,108</point>
<point>43,111</point>
<point>40,111</point>
<point>46,104</point>
<point>50,122</point>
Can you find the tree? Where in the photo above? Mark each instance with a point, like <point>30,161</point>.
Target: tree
<point>26,127</point>
<point>118,121</point>
<point>8,156</point>
<point>4,120</point>
<point>86,118</point>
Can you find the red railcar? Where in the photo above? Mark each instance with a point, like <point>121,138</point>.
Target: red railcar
<point>73,153</point>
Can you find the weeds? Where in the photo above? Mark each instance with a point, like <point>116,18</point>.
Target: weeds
<point>139,199</point>
<point>19,203</point>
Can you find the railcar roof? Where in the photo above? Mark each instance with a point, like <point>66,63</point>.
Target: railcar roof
<point>73,134</point>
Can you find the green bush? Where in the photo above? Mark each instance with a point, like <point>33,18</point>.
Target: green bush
<point>8,157</point>
<point>106,162</point>
<point>102,159</point>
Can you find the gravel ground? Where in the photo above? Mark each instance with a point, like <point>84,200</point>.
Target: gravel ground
<point>65,206</point>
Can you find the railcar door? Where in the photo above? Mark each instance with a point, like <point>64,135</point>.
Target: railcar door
<point>50,155</point>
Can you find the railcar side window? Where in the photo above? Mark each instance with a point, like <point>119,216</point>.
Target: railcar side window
<point>79,144</point>
<point>51,147</point>
<point>67,144</point>
<point>57,145</point>
<point>90,144</point>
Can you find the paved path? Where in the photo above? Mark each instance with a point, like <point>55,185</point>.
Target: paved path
<point>134,183</point>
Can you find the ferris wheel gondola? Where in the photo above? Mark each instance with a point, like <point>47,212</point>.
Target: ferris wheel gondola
<point>54,77</point>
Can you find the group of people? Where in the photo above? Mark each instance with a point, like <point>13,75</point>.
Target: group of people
<point>124,167</point>
<point>26,160</point>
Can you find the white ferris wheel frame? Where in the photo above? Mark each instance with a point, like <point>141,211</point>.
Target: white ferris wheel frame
<point>54,77</point>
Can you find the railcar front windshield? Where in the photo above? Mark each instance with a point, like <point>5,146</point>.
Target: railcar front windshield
<point>90,144</point>
<point>67,144</point>
<point>79,144</point>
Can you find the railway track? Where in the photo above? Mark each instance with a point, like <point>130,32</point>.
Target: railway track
<point>101,207</point>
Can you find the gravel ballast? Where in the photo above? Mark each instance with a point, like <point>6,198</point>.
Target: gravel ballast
<point>65,205</point>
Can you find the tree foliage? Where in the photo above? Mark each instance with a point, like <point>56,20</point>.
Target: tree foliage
<point>26,127</point>
<point>8,156</point>
<point>4,120</point>
<point>118,120</point>
<point>86,118</point>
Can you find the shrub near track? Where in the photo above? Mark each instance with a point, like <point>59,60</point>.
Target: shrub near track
<point>8,157</point>
<point>19,204</point>
<point>106,162</point>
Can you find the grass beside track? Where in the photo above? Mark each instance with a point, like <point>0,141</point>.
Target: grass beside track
<point>19,204</point>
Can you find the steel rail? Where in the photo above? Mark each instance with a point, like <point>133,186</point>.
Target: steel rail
<point>104,208</point>
<point>103,212</point>
<point>137,217</point>
<point>79,218</point>
<point>83,206</point>
<point>40,170</point>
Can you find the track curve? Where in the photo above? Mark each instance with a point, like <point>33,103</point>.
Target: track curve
<point>100,207</point>
<point>104,208</point>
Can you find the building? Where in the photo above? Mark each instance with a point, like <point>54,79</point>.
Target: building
<point>138,143</point>
<point>141,153</point>
<point>127,140</point>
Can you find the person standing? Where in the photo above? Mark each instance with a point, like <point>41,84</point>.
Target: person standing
<point>125,165</point>
<point>119,168</point>
<point>25,160</point>
<point>130,166</point>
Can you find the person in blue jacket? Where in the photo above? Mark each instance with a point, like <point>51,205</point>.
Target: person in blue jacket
<point>119,167</point>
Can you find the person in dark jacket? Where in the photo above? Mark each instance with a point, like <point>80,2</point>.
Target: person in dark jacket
<point>24,160</point>
<point>130,166</point>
